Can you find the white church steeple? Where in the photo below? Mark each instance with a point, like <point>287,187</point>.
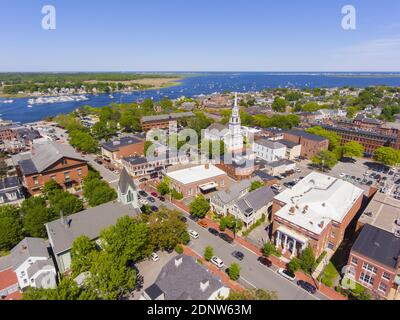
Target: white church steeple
<point>234,141</point>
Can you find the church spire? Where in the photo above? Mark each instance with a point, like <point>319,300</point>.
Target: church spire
<point>236,99</point>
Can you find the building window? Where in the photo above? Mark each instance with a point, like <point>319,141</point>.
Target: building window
<point>331,246</point>
<point>382,287</point>
<point>370,268</point>
<point>67,176</point>
<point>354,261</point>
<point>79,172</point>
<point>53,177</point>
<point>366,279</point>
<point>35,181</point>
<point>64,162</point>
<point>386,276</point>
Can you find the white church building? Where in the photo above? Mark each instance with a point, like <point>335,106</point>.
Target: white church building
<point>231,135</point>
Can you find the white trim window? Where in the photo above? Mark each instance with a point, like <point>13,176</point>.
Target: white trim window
<point>383,287</point>
<point>370,268</point>
<point>386,276</point>
<point>366,279</point>
<point>354,261</point>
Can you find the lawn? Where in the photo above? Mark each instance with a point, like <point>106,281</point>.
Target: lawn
<point>330,274</point>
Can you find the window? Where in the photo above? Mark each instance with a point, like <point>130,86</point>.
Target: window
<point>35,181</point>
<point>382,287</point>
<point>370,268</point>
<point>354,261</point>
<point>331,246</point>
<point>222,182</point>
<point>366,279</point>
<point>67,176</point>
<point>64,162</point>
<point>79,172</point>
<point>386,276</point>
<point>53,177</point>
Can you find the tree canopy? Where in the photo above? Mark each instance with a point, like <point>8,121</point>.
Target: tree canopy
<point>199,207</point>
<point>387,156</point>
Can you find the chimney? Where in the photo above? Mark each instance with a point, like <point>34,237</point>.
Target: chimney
<point>178,262</point>
<point>204,285</point>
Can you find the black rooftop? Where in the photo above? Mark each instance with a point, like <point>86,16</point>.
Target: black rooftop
<point>9,182</point>
<point>154,291</point>
<point>306,135</point>
<point>378,245</point>
<point>27,167</point>
<point>116,144</point>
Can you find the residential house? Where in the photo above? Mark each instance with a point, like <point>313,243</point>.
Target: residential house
<point>182,278</point>
<point>33,265</point>
<point>279,167</point>
<point>9,288</point>
<point>251,207</point>
<point>268,150</point>
<point>293,149</point>
<point>117,149</point>
<point>11,191</point>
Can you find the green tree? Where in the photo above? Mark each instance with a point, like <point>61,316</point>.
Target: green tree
<point>98,191</point>
<point>325,160</point>
<point>163,188</point>
<point>208,253</point>
<point>11,228</point>
<point>82,255</point>
<point>334,138</point>
<point>387,156</point>
<point>112,278</point>
<point>279,105</point>
<point>252,294</point>
<point>65,202</point>
<point>307,260</point>
<point>166,104</point>
<point>128,240</point>
<point>256,185</point>
<point>50,188</point>
<point>353,149</point>
<point>268,249</point>
<point>83,141</point>
<point>35,215</point>
<point>199,207</point>
<point>234,271</point>
<point>294,265</point>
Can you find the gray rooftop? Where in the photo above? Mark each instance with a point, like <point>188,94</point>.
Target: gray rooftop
<point>280,163</point>
<point>39,265</point>
<point>288,144</point>
<point>183,281</point>
<point>46,154</point>
<point>114,145</point>
<point>170,116</point>
<point>255,200</point>
<point>378,245</point>
<point>5,262</point>
<point>270,144</point>
<point>89,223</point>
<point>233,192</point>
<point>306,135</point>
<point>217,126</point>
<point>28,247</point>
<point>125,180</point>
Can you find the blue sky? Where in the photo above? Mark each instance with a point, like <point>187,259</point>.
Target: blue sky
<point>200,35</point>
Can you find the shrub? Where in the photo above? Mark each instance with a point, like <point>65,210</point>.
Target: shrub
<point>294,265</point>
<point>208,253</point>
<point>328,282</point>
<point>179,249</point>
<point>268,249</point>
<point>234,271</point>
<point>176,195</point>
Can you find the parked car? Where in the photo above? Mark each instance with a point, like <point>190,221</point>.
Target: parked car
<point>226,238</point>
<point>369,183</point>
<point>154,209</point>
<point>217,262</point>
<point>277,187</point>
<point>155,257</point>
<point>238,255</point>
<point>266,262</point>
<point>143,202</point>
<point>287,274</point>
<point>143,193</point>
<point>161,198</point>
<point>183,219</point>
<point>151,199</point>
<point>154,194</point>
<point>202,223</point>
<point>193,234</point>
<point>307,286</point>
<point>213,232</point>
<point>143,180</point>
<point>342,175</point>
<point>193,218</point>
<point>298,170</point>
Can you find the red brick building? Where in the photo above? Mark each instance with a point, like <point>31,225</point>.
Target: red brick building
<point>311,144</point>
<point>125,147</point>
<point>53,161</point>
<point>163,121</point>
<point>374,261</point>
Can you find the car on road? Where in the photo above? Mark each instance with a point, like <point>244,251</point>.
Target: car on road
<point>217,262</point>
<point>143,180</point>
<point>143,202</point>
<point>193,234</point>
<point>151,199</point>
<point>226,238</point>
<point>154,194</point>
<point>154,209</point>
<point>143,193</point>
<point>298,170</point>
<point>307,286</point>
<point>266,262</point>
<point>213,232</point>
<point>342,175</point>
<point>202,223</point>
<point>287,274</point>
<point>183,219</point>
<point>369,183</point>
<point>98,161</point>
<point>161,198</point>
<point>277,187</point>
<point>238,255</point>
<point>193,218</point>
<point>155,257</point>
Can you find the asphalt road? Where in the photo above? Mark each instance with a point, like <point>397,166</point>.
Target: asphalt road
<point>253,274</point>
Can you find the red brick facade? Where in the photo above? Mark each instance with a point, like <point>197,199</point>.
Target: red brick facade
<point>309,147</point>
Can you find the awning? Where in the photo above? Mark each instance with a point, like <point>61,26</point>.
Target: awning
<point>208,186</point>
<point>293,234</point>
